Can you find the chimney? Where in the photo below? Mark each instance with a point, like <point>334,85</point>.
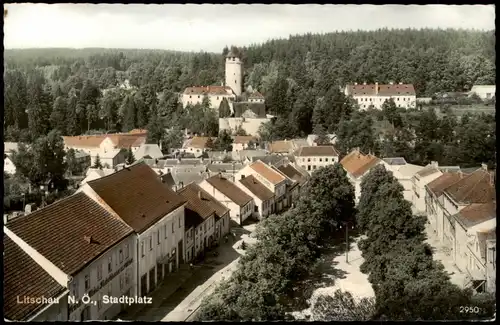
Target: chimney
<point>434,164</point>
<point>88,239</point>
<point>364,83</point>
<point>242,176</point>
<point>199,195</point>
<point>220,175</point>
<point>484,166</point>
<point>376,88</point>
<point>5,218</point>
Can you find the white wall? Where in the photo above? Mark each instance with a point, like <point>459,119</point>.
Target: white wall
<point>377,101</point>
<point>418,186</point>
<point>215,100</point>
<point>9,167</point>
<point>234,75</point>
<point>313,162</point>
<point>264,206</point>
<point>117,281</point>
<point>250,125</point>
<point>484,92</point>
<point>170,230</point>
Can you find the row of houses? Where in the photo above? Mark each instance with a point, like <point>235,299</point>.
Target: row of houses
<point>460,205</point>
<point>123,233</point>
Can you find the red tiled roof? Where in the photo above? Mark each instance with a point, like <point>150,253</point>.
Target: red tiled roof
<point>474,188</point>
<point>257,188</point>
<point>256,95</point>
<point>23,277</point>
<point>291,172</point>
<point>383,90</point>
<point>267,172</point>
<point>477,213</point>
<point>356,163</point>
<point>244,139</point>
<point>125,141</point>
<point>137,195</point>
<point>84,141</point>
<point>438,185</point>
<point>229,189</point>
<point>219,208</point>
<point>194,197</point>
<point>138,131</point>
<point>280,146</point>
<point>316,151</point>
<point>119,140</point>
<point>209,90</point>
<point>58,231</point>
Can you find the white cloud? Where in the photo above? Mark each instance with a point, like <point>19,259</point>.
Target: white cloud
<point>210,27</point>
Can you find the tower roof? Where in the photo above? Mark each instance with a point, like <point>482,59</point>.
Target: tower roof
<point>233,54</point>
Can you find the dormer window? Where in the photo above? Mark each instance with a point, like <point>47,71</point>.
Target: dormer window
<point>233,59</point>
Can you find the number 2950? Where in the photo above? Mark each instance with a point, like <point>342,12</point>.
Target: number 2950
<point>469,309</point>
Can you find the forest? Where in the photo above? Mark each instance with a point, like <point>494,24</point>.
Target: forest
<point>78,91</point>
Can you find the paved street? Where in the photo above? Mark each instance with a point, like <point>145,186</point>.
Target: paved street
<point>443,254</point>
<point>339,274</point>
<point>182,292</point>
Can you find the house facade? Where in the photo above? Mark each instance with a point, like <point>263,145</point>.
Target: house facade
<point>195,95</point>
<point>419,181</point>
<point>357,165</point>
<point>262,196</point>
<point>85,260</point>
<point>312,157</point>
<point>197,145</point>
<point>153,211</point>
<point>8,166</point>
<point>484,91</point>
<point>271,179</point>
<point>404,173</point>
<point>240,204</point>
<point>375,95</point>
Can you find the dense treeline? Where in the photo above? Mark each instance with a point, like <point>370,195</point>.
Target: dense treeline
<point>76,91</point>
<point>263,286</point>
<point>408,283</point>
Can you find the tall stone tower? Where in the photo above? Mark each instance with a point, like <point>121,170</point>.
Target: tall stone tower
<point>234,72</point>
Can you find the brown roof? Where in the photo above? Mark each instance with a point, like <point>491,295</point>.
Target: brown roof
<point>125,141</point>
<point>256,95</point>
<point>194,196</point>
<point>283,146</point>
<point>438,185</point>
<point>292,173</point>
<point>316,151</point>
<point>267,172</point>
<point>84,141</point>
<point>243,139</point>
<point>356,163</point>
<point>383,90</point>
<point>219,208</point>
<point>257,188</point>
<point>229,189</point>
<point>477,213</point>
<point>209,90</point>
<point>474,188</point>
<point>58,231</point>
<point>23,277</point>
<point>137,195</point>
<point>138,131</point>
<point>259,109</point>
<point>199,142</point>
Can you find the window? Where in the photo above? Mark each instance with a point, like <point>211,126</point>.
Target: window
<point>320,159</point>
<point>217,97</point>
<point>75,287</point>
<point>398,99</point>
<point>110,289</point>
<point>121,281</point>
<point>99,272</point>
<point>198,96</point>
<point>87,282</point>
<point>150,242</point>
<point>222,222</point>
<point>205,227</point>
<point>110,264</point>
<point>308,159</point>
<point>120,254</point>
<point>326,159</point>
<point>127,280</point>
<point>99,302</point>
<point>190,96</point>
<point>235,81</point>
<point>314,166</point>
<point>308,167</point>
<point>142,249</point>
<point>165,230</point>
<point>158,236</point>
<point>126,251</point>
<point>180,223</point>
<point>173,230</point>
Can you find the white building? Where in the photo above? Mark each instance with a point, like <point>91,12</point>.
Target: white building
<point>271,179</point>
<point>96,173</point>
<point>199,222</point>
<point>92,253</point>
<point>244,142</point>
<point>404,173</point>
<point>234,72</point>
<point>420,180</point>
<point>484,91</point>
<point>240,204</point>
<point>10,147</point>
<point>311,139</point>
<point>8,166</point>
<point>311,158</point>
<point>357,165</point>
<point>197,145</point>
<point>375,95</point>
<point>262,196</point>
<point>140,200</point>
<point>195,95</point>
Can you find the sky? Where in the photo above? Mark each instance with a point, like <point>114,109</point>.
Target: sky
<point>209,27</point>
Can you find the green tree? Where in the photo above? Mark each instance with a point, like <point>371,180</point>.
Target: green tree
<point>58,117</point>
<point>130,159</point>
<point>240,131</point>
<point>71,162</point>
<point>321,136</point>
<point>128,110</point>
<point>156,130</point>
<point>173,139</point>
<point>97,162</point>
<point>342,307</point>
<point>224,109</point>
<point>224,142</point>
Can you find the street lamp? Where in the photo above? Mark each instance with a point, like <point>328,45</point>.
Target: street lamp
<point>346,225</point>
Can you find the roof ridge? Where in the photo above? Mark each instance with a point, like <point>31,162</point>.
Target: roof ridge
<point>121,170</point>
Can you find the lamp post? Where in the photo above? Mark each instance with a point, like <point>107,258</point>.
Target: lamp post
<point>346,225</point>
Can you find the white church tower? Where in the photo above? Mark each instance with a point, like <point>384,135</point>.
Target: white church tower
<point>234,72</point>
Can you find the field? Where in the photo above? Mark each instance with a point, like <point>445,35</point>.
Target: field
<point>460,110</point>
